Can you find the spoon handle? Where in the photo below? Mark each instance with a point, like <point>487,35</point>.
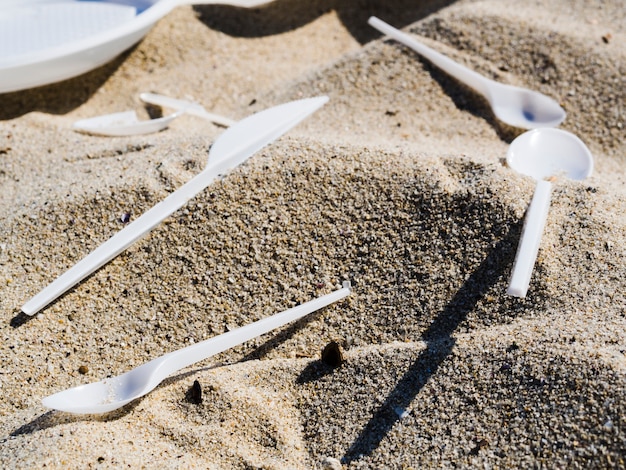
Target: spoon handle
<point>120,241</point>
<point>188,107</point>
<point>528,247</point>
<point>177,360</point>
<point>458,71</point>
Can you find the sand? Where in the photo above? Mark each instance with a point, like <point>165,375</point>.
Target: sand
<point>398,185</point>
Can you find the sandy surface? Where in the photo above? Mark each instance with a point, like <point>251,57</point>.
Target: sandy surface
<point>398,185</point>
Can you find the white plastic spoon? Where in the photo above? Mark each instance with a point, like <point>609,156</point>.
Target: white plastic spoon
<point>515,106</point>
<point>542,154</point>
<point>126,123</point>
<point>46,41</point>
<point>232,148</point>
<point>189,107</point>
<point>115,392</point>
<point>123,124</point>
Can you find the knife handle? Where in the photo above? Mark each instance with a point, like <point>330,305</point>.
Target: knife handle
<point>119,242</point>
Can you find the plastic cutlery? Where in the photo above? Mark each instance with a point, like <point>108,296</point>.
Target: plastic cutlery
<point>115,392</point>
<point>189,107</point>
<point>513,105</point>
<point>126,123</point>
<point>232,148</point>
<point>542,154</point>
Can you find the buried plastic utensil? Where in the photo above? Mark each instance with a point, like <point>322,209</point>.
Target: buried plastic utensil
<point>115,392</point>
<point>124,123</point>
<point>542,154</point>
<point>189,107</point>
<point>513,105</point>
<point>232,148</point>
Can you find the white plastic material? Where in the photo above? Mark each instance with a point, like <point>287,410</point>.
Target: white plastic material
<point>35,27</point>
<point>123,124</point>
<point>46,41</point>
<point>113,393</point>
<point>189,107</point>
<point>515,106</point>
<point>232,148</point>
<point>528,247</point>
<point>126,122</point>
<point>541,154</point>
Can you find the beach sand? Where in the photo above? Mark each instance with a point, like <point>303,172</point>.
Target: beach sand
<point>398,184</point>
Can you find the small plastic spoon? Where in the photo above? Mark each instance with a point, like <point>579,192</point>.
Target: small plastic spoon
<point>232,148</point>
<point>189,107</point>
<point>541,154</point>
<point>515,106</point>
<point>115,392</point>
<point>124,124</point>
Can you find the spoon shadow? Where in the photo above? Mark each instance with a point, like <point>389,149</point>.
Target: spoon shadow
<point>468,100</point>
<point>51,419</point>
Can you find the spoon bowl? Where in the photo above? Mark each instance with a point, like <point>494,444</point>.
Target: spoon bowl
<point>523,108</point>
<point>543,154</point>
<point>123,124</point>
<point>515,106</point>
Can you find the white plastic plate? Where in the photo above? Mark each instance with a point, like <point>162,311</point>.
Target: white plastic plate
<point>46,41</point>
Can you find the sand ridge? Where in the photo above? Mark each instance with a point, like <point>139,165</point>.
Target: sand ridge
<point>398,184</point>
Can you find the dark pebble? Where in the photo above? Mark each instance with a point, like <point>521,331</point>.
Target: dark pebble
<point>332,354</point>
<point>194,394</point>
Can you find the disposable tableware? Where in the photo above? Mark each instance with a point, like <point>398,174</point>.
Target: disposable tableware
<point>126,123</point>
<point>542,154</point>
<point>513,105</point>
<point>189,107</point>
<point>115,392</point>
<point>232,148</point>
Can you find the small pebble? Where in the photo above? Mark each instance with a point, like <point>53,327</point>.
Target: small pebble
<point>401,412</point>
<point>330,463</point>
<point>83,370</point>
<point>480,444</point>
<point>332,354</point>
<point>194,394</point>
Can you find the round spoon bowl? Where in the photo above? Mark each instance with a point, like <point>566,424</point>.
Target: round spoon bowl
<point>546,152</point>
<point>97,397</point>
<point>524,108</point>
<point>123,124</point>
